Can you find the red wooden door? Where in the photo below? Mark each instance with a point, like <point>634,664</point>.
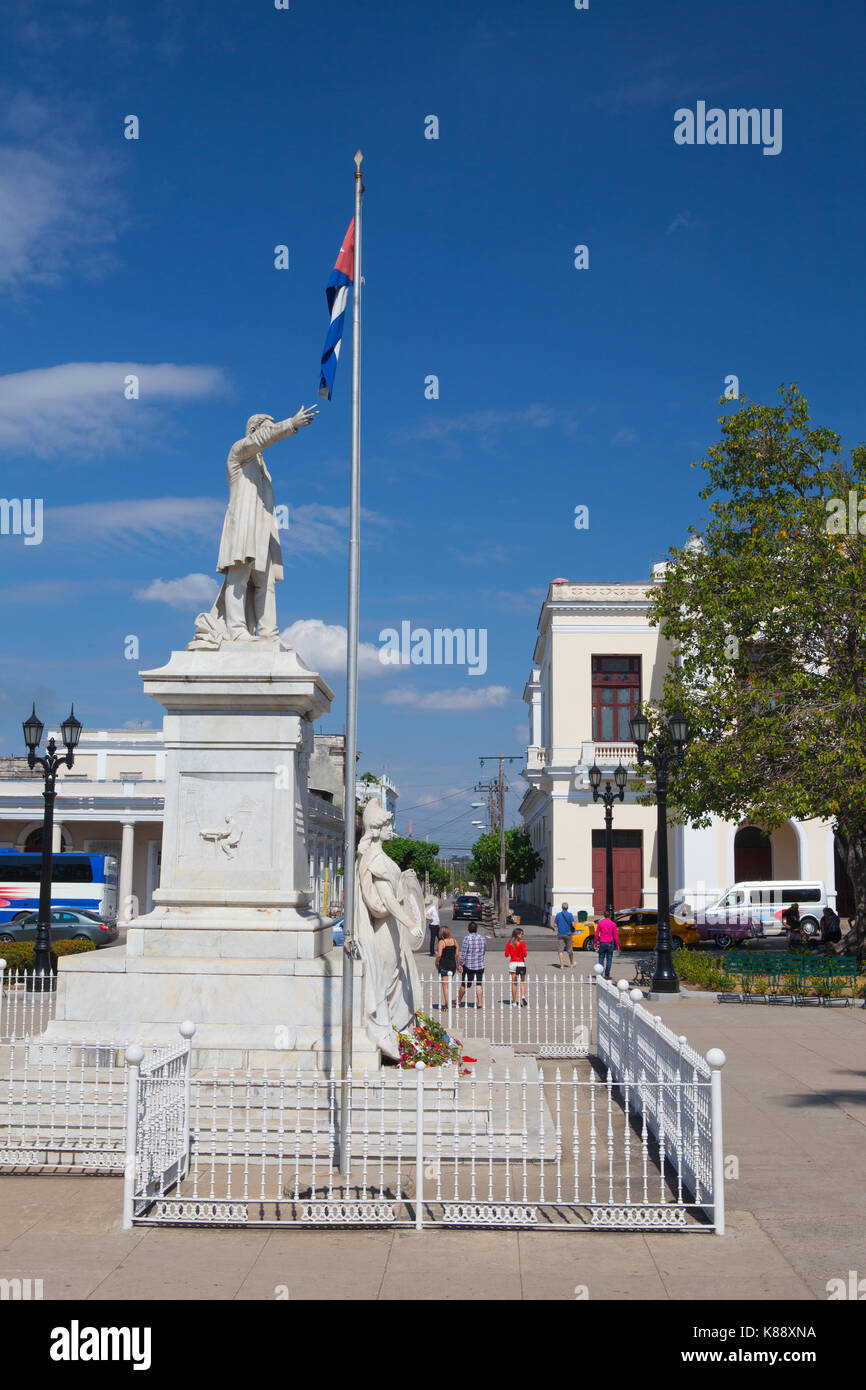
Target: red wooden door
<point>627,869</point>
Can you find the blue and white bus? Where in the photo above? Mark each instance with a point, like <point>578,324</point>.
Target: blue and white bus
<point>85,881</point>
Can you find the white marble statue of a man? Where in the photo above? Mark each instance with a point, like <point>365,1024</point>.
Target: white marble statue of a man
<point>389,926</point>
<point>249,555</point>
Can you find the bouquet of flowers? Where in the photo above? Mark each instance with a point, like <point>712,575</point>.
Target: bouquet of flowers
<point>426,1041</point>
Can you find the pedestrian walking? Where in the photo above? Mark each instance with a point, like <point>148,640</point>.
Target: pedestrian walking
<point>446,960</point>
<point>831,930</point>
<point>515,954</point>
<point>433,924</point>
<point>564,923</point>
<point>472,952</point>
<point>606,938</point>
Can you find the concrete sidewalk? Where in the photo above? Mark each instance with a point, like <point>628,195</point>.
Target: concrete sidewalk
<point>795,1134</point>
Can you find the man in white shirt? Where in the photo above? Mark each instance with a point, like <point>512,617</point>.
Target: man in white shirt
<point>433,924</point>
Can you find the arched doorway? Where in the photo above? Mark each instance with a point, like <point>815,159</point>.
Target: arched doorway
<point>753,854</point>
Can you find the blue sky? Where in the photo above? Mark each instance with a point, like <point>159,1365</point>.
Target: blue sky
<point>557,387</point>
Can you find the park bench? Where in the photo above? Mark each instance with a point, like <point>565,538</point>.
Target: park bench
<point>795,975</point>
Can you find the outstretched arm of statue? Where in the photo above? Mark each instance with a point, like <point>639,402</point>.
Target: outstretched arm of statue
<point>268,434</point>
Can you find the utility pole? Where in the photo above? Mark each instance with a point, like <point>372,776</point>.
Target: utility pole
<point>503,758</point>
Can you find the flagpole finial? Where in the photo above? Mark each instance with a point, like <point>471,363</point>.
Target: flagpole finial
<point>358,159</point>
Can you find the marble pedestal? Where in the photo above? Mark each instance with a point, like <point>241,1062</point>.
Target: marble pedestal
<point>231,942</point>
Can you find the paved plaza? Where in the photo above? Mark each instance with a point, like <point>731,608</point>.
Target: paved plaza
<point>795,1131</point>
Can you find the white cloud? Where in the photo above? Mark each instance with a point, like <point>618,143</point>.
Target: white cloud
<point>323,647</point>
<point>461,698</point>
<point>193,591</point>
<point>57,206</point>
<point>149,521</point>
<point>624,436</point>
<point>80,407</point>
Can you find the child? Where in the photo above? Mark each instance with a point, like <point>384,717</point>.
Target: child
<point>515,954</point>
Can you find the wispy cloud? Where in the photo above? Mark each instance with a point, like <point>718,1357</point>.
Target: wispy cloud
<point>461,698</point>
<point>54,189</point>
<point>624,436</point>
<point>80,407</point>
<point>484,425</point>
<point>192,591</point>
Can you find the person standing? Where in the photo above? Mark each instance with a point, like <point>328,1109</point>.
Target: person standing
<point>564,923</point>
<point>831,930</point>
<point>472,953</point>
<point>606,938</point>
<point>446,961</point>
<point>433,924</point>
<point>791,919</point>
<point>515,954</point>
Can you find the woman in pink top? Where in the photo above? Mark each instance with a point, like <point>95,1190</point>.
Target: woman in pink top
<point>605,939</point>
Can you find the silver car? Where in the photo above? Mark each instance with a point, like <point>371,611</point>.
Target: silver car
<point>67,924</point>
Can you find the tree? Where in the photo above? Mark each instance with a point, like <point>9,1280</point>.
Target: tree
<point>415,854</point>
<point>766,608</point>
<point>522,862</point>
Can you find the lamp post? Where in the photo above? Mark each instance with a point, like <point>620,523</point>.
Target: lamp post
<point>608,796</point>
<point>670,749</point>
<point>42,980</point>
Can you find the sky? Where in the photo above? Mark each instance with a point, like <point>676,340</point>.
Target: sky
<point>557,387</point>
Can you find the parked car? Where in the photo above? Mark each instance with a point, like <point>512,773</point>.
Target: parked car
<point>755,908</point>
<point>67,924</point>
<point>637,928</point>
<point>468,907</point>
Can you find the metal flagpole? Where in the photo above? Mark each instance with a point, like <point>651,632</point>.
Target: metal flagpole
<point>351,685</point>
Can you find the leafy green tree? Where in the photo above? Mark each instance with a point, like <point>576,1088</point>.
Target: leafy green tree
<point>414,854</point>
<point>766,607</point>
<point>522,862</point>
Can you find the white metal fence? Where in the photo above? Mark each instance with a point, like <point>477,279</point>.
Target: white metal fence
<point>61,1107</point>
<point>536,1149</point>
<point>556,1020</point>
<point>675,1090</point>
<point>23,1012</point>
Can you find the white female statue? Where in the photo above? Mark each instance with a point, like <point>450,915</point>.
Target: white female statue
<point>389,926</point>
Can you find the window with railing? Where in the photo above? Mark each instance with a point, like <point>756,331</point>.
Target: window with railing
<point>615,697</point>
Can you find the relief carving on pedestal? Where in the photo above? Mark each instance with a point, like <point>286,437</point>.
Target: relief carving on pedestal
<point>227,840</point>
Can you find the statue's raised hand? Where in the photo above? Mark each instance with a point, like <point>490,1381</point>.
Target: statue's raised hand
<point>305,416</point>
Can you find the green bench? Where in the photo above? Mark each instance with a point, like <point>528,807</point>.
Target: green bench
<point>794,974</point>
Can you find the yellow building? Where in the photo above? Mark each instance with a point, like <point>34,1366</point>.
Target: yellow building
<point>596,659</point>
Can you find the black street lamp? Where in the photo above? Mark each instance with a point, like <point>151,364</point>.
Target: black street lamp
<point>608,796</point>
<point>670,749</point>
<point>42,979</point>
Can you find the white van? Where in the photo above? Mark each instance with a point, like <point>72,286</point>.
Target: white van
<point>755,909</point>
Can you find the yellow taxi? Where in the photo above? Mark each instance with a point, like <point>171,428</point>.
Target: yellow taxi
<point>637,928</point>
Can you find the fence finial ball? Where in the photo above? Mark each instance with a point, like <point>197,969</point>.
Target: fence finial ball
<point>598,970</point>
<point>187,1028</point>
<point>636,995</point>
<point>135,1053</point>
<point>622,986</point>
<point>716,1057</point>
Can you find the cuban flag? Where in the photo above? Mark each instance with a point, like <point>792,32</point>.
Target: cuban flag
<point>337,295</point>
